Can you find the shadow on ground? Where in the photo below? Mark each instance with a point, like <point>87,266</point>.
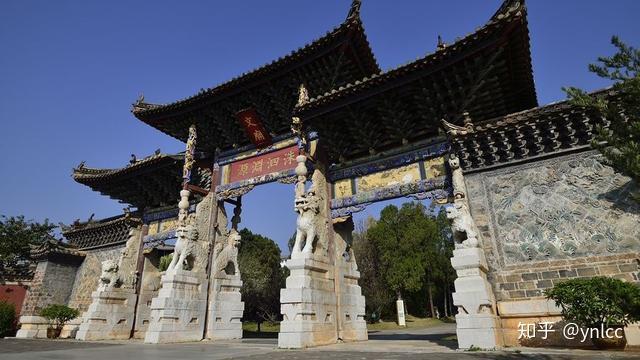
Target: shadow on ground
<point>28,345</point>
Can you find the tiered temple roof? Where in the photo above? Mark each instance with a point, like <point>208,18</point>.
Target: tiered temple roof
<point>107,232</point>
<point>150,182</point>
<point>485,74</point>
<point>341,56</point>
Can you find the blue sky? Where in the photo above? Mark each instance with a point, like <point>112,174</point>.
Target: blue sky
<point>69,71</point>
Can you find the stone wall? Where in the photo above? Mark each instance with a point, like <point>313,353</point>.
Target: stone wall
<point>546,221</point>
<point>86,280</point>
<point>52,284</point>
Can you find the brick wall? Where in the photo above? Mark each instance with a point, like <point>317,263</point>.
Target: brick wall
<point>52,284</point>
<point>530,280</point>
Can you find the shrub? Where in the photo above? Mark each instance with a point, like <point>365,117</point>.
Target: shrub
<point>7,318</point>
<point>164,262</point>
<point>598,300</point>
<point>59,314</point>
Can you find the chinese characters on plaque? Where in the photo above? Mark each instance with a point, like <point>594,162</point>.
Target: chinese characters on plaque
<point>276,161</point>
<point>253,127</point>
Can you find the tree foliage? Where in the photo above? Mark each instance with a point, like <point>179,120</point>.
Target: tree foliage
<point>620,142</point>
<point>598,300</point>
<point>372,281</point>
<point>406,253</point>
<point>7,318</point>
<point>262,276</point>
<point>59,315</point>
<point>16,234</point>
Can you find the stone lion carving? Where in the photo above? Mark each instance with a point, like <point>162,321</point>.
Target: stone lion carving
<point>228,254</point>
<point>307,207</point>
<point>464,230</point>
<point>186,247</point>
<point>109,278</point>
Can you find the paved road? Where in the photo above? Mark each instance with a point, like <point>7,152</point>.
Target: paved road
<point>433,344</point>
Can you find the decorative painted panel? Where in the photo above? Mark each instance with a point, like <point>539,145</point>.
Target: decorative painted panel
<point>420,174</point>
<point>402,175</point>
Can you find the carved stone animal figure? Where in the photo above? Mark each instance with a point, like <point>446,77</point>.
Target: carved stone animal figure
<point>184,249</point>
<point>457,180</point>
<point>228,254</point>
<point>462,226</point>
<point>109,278</point>
<point>307,208</point>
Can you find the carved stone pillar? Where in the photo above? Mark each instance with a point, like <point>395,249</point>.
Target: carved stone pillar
<point>477,323</point>
<point>225,303</point>
<point>309,301</point>
<point>178,312</point>
<point>110,315</point>
<point>351,302</point>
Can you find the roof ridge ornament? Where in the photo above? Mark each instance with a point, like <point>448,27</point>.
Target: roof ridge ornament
<point>303,95</point>
<point>455,130</point>
<point>141,105</point>
<point>441,44</point>
<point>354,10</point>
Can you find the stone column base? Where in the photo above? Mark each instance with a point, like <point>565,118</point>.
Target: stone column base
<point>178,312</point>
<point>70,329</point>
<point>352,306</point>
<point>33,327</point>
<point>308,305</point>
<point>479,330</point>
<point>226,308</point>
<point>109,317</point>
<point>477,324</point>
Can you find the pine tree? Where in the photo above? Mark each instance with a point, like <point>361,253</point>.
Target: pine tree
<point>620,142</point>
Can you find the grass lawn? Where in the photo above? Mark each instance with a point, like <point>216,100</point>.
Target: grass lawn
<point>267,330</point>
<point>412,323</point>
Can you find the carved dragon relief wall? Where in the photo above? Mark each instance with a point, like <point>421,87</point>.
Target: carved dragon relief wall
<point>563,208</point>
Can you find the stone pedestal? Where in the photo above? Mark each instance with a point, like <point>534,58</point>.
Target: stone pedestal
<point>225,308</point>
<point>70,329</point>
<point>353,327</point>
<point>32,327</point>
<point>178,312</point>
<point>110,315</point>
<point>308,304</point>
<point>476,322</point>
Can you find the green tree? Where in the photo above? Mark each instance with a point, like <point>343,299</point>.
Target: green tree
<point>445,253</point>
<point>16,234</point>
<point>262,277</point>
<point>372,281</point>
<point>620,141</point>
<point>400,250</point>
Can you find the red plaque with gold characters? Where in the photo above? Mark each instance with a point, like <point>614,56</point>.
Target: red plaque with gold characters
<point>276,161</point>
<point>256,132</point>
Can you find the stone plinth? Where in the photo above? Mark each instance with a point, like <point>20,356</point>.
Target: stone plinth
<point>352,306</point>
<point>476,322</point>
<point>110,315</point>
<point>178,312</point>
<point>32,327</point>
<point>226,308</point>
<point>70,329</point>
<point>308,305</point>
